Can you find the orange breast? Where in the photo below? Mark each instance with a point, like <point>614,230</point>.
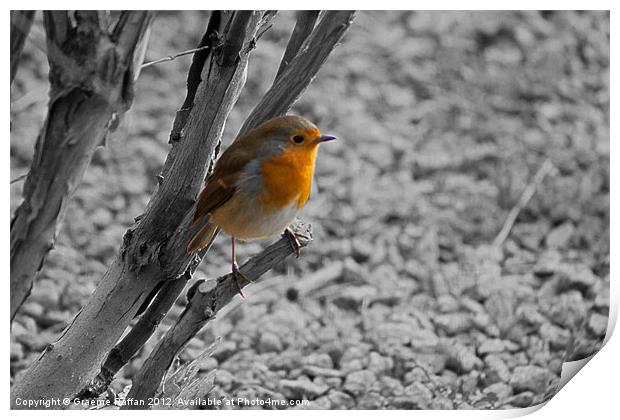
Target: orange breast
<point>287,177</point>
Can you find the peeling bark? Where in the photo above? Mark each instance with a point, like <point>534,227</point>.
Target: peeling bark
<point>91,76</point>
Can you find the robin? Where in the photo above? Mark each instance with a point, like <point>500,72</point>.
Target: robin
<point>259,184</point>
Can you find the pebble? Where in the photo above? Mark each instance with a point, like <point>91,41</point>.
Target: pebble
<point>321,360</point>
<point>576,276</point>
<point>531,378</point>
<point>454,323</point>
<point>268,343</point>
<point>461,358</point>
<point>491,346</point>
<point>46,292</point>
<point>597,324</point>
<point>495,370</point>
<point>297,389</point>
<point>225,350</point>
<point>522,400</point>
<point>417,396</point>
<point>340,400</point>
<point>17,351</point>
<point>389,386</point>
<point>224,379</point>
<point>447,303</point>
<point>501,391</point>
<point>358,382</point>
<point>314,371</point>
<point>558,338</point>
<point>379,364</point>
<point>560,236</point>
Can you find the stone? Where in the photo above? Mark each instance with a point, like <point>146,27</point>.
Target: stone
<point>495,370</point>
<point>522,400</point>
<point>491,346</point>
<point>46,292</point>
<point>597,324</point>
<point>424,339</point>
<point>316,371</point>
<point>321,403</point>
<point>299,389</point>
<point>101,217</point>
<point>17,351</point>
<point>268,343</point>
<point>576,276</point>
<point>447,303</point>
<point>225,350</point>
<point>441,403</point>
<point>371,401</point>
<point>454,323</point>
<point>500,390</point>
<point>358,382</point>
<point>224,379</point>
<point>560,236</point>
<point>288,361</point>
<point>389,386</point>
<point>461,358</point>
<point>340,400</point>
<point>558,338</point>
<point>322,360</point>
<point>531,378</point>
<point>416,396</point>
<point>379,364</point>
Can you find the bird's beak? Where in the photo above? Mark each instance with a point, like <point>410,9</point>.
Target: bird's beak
<point>324,138</point>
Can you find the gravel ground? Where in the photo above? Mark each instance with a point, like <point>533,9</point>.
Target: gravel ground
<point>402,301</point>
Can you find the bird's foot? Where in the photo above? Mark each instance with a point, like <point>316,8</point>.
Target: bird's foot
<point>236,274</point>
<point>294,240</point>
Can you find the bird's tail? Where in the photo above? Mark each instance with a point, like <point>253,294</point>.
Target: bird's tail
<point>203,238</point>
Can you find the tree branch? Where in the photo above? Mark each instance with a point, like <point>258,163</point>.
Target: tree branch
<point>21,21</point>
<point>207,299</point>
<point>88,90</point>
<point>302,70</point>
<point>303,27</point>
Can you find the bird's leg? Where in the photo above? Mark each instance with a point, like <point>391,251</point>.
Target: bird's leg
<point>294,241</point>
<point>235,269</point>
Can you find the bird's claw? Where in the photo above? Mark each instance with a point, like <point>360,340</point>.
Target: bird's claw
<point>294,241</point>
<point>236,274</point>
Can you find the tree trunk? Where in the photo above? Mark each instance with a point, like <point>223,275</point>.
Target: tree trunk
<point>21,21</point>
<point>91,74</point>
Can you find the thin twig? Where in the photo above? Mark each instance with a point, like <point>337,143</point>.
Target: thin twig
<point>19,178</point>
<point>526,196</point>
<point>175,56</point>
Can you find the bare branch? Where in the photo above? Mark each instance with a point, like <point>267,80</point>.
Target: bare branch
<point>87,90</point>
<point>21,21</point>
<point>303,27</point>
<point>174,56</point>
<point>19,178</point>
<point>207,299</point>
<point>525,197</point>
<point>302,70</point>
<point>235,37</point>
<point>57,26</point>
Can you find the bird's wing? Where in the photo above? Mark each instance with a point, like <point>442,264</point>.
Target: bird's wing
<point>220,186</point>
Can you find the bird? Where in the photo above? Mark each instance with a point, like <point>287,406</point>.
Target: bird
<point>258,185</point>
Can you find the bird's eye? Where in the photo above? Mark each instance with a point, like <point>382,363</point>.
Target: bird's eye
<point>298,139</point>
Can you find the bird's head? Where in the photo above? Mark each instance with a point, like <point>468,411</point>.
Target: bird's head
<point>291,133</point>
